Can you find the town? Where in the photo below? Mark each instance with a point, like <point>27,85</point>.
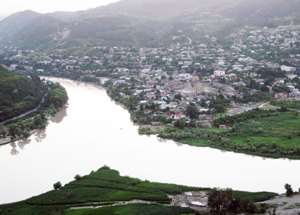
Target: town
<point>192,80</point>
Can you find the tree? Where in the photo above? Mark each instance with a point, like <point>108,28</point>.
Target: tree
<point>192,111</point>
<point>178,96</point>
<point>78,177</point>
<point>289,191</point>
<point>219,200</point>
<point>203,103</point>
<point>180,123</point>
<point>57,185</point>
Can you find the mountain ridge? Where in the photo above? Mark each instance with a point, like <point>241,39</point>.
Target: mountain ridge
<point>141,22</point>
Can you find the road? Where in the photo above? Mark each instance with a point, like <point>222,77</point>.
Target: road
<point>28,112</point>
<point>286,205</point>
<point>190,43</point>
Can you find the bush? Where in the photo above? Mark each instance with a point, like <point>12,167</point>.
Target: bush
<point>57,185</point>
<point>69,195</point>
<point>289,191</point>
<point>78,177</point>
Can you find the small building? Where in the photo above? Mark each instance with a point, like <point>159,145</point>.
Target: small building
<point>223,127</point>
<point>156,123</point>
<point>219,72</point>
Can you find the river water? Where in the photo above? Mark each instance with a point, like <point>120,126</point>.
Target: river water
<point>92,131</point>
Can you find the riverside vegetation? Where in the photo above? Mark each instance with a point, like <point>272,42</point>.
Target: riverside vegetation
<point>19,94</point>
<point>267,133</point>
<point>97,193</point>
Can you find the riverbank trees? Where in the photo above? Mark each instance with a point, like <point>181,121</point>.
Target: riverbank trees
<point>19,94</point>
<point>22,127</point>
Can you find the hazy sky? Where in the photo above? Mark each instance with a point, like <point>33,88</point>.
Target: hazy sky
<point>9,7</point>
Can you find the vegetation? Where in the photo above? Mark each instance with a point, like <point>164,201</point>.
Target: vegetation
<point>292,104</point>
<point>105,187</point>
<point>221,201</point>
<point>260,132</point>
<point>19,94</point>
<point>22,127</point>
<point>289,191</point>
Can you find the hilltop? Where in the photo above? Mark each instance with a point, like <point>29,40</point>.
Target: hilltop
<point>150,23</point>
<point>106,192</point>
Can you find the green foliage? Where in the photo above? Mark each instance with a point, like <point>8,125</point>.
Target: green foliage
<point>192,111</point>
<point>105,187</point>
<point>57,185</point>
<point>134,209</point>
<point>178,96</point>
<point>252,114</point>
<point>294,104</point>
<point>289,191</point>
<point>219,200</point>
<point>57,96</point>
<point>18,94</point>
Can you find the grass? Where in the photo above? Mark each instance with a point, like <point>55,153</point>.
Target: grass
<point>134,209</point>
<point>276,136</point>
<point>103,188</point>
<point>276,129</point>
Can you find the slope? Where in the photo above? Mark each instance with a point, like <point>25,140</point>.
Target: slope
<point>18,94</point>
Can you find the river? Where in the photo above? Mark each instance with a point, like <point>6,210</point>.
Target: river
<point>92,131</point>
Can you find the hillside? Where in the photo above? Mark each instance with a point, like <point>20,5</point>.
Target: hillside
<point>106,192</point>
<point>18,94</point>
<point>12,24</point>
<point>142,23</point>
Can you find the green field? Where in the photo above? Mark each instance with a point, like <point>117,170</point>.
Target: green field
<point>104,188</point>
<point>266,133</point>
<point>284,130</point>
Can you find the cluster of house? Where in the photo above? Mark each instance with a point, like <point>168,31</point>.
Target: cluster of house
<point>160,73</point>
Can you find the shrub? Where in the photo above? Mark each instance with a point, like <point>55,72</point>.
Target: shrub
<point>57,185</point>
<point>69,195</point>
<point>289,191</point>
<point>78,177</point>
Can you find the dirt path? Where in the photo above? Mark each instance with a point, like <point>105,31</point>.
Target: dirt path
<point>286,205</point>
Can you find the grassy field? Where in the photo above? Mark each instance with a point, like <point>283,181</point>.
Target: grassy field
<point>284,130</point>
<point>103,187</point>
<point>106,187</point>
<point>263,133</point>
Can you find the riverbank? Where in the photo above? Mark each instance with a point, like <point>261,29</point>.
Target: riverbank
<point>106,192</point>
<point>24,125</point>
<point>262,133</point>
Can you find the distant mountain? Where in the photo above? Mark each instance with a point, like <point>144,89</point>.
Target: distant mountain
<point>2,17</point>
<point>12,24</point>
<point>41,30</point>
<point>141,22</point>
<point>256,11</point>
<point>18,94</point>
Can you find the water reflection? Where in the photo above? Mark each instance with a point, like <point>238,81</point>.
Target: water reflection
<point>178,144</point>
<point>23,143</point>
<point>161,140</point>
<point>58,118</point>
<point>40,135</point>
<point>14,151</point>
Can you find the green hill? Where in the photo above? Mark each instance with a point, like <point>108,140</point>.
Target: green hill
<point>106,192</point>
<point>142,23</point>
<point>18,94</point>
<point>12,24</point>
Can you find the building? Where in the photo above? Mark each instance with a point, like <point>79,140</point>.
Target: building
<point>219,72</point>
<point>288,68</point>
<point>111,51</point>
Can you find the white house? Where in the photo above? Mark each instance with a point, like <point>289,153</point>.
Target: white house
<point>219,72</point>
